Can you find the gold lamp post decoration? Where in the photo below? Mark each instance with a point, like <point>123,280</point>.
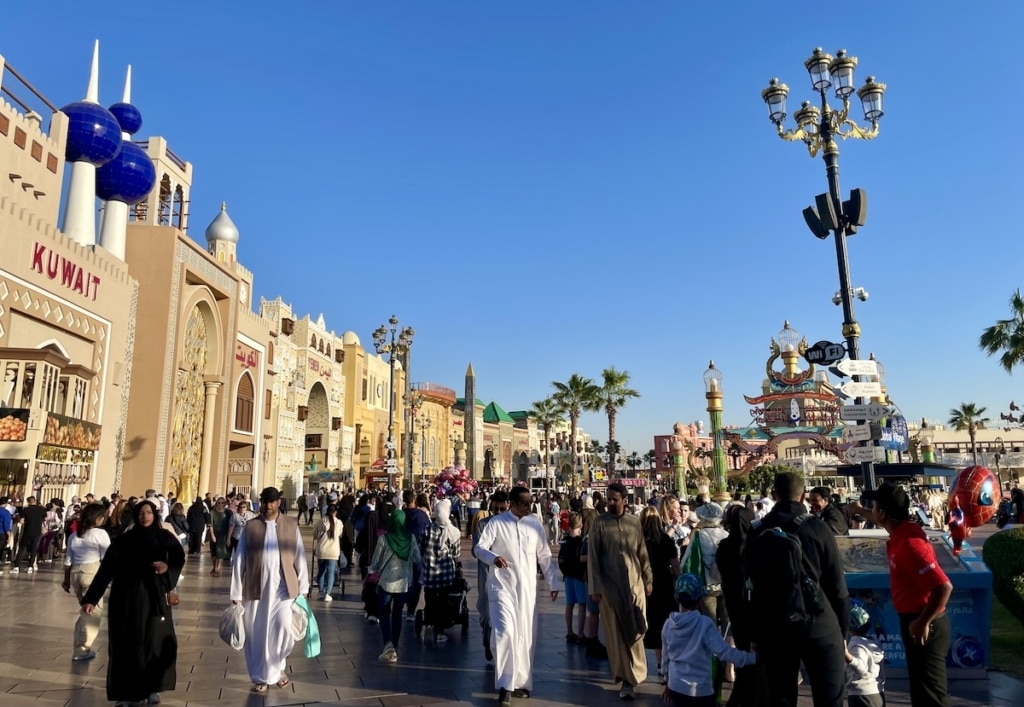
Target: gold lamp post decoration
<point>713,394</point>
<point>818,127</point>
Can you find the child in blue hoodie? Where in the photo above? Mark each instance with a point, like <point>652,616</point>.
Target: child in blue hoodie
<point>690,639</point>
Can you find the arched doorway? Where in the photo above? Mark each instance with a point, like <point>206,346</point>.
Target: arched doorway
<point>198,359</point>
<point>317,435</point>
<point>523,467</point>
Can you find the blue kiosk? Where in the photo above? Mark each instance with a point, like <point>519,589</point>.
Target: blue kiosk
<point>969,608</point>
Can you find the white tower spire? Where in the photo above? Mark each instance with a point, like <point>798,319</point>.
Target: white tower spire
<point>92,92</point>
<point>114,217</point>
<point>126,95</point>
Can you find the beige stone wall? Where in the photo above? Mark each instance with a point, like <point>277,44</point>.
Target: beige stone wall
<point>32,162</point>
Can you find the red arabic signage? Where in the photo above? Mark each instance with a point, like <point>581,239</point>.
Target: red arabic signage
<point>73,276</point>
<point>321,369</point>
<point>246,356</point>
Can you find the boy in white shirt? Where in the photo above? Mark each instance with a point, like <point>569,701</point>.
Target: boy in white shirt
<point>863,663</point>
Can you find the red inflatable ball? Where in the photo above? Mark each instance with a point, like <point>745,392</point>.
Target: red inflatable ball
<point>977,492</point>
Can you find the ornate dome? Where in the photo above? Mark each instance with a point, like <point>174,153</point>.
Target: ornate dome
<point>127,178</point>
<point>222,228</point>
<point>350,338</point>
<point>128,117</point>
<point>94,135</point>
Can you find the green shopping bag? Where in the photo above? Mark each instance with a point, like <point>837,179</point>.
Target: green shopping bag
<point>312,644</point>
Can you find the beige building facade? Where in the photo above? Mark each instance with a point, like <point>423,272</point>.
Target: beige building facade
<point>66,315</point>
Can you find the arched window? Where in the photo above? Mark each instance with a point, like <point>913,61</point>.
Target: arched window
<point>244,401</point>
<point>312,341</point>
<point>328,349</point>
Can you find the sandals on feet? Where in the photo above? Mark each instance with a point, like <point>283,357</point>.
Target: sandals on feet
<point>283,682</point>
<point>260,689</point>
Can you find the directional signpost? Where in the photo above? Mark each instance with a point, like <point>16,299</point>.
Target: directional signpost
<point>860,455</point>
<point>858,389</point>
<point>857,413</point>
<point>862,433</point>
<point>855,367</point>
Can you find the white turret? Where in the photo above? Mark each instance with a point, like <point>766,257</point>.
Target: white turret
<point>127,179</point>
<point>94,138</point>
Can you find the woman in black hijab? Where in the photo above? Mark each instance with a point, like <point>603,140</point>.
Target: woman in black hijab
<point>142,565</point>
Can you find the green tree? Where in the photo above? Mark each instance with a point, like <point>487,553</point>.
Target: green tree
<point>762,478</point>
<point>546,413</point>
<point>633,461</point>
<point>615,394</point>
<point>1006,336</point>
<point>573,397</point>
<point>969,417</point>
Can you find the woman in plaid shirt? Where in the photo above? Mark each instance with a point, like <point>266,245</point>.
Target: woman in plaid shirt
<point>440,547</point>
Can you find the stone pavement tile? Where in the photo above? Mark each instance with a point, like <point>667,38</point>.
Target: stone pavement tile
<point>431,697</point>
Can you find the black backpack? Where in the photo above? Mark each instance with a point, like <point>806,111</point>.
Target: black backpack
<point>778,588</point>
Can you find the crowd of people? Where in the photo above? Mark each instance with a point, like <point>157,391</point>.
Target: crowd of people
<point>751,591</point>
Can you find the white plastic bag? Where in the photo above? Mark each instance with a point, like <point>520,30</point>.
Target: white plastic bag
<point>343,562</point>
<point>232,628</point>
<point>300,622</point>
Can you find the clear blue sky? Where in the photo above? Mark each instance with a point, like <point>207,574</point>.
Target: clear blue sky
<point>545,188</point>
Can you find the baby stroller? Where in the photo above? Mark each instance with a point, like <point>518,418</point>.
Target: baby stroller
<point>454,610</point>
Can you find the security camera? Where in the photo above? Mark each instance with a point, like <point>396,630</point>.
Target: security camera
<point>861,294</point>
<point>837,298</point>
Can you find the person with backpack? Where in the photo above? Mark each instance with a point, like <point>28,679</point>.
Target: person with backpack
<point>797,593</point>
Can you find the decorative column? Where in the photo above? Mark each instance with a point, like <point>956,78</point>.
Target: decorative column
<point>713,393</point>
<point>679,467</point>
<point>209,421</point>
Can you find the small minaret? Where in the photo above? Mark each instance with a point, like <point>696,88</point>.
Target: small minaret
<point>125,180</point>
<point>469,423</point>
<point>94,138</point>
<point>222,237</point>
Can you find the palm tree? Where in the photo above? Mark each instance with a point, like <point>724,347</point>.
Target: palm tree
<point>595,451</point>
<point>615,393</point>
<point>574,397</point>
<point>547,414</point>
<point>969,417</point>
<point>633,461</point>
<point>1006,336</point>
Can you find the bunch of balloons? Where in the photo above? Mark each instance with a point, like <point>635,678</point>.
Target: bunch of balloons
<point>454,479</point>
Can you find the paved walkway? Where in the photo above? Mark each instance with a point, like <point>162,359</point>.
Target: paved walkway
<point>36,667</point>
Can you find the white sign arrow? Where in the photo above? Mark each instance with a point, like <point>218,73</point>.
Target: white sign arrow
<point>857,433</point>
<point>857,413</point>
<point>857,389</point>
<point>857,367</point>
<point>859,455</point>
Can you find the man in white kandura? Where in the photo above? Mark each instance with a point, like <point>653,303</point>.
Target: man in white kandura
<point>514,544</point>
<point>269,573</point>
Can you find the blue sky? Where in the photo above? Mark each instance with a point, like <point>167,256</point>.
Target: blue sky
<point>545,187</point>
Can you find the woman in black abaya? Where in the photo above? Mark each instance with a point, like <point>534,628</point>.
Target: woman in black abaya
<point>142,566</point>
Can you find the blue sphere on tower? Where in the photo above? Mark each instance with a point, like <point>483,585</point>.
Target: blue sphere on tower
<point>94,135</point>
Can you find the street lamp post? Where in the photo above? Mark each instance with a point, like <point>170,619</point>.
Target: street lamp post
<point>1000,451</point>
<point>424,447</point>
<point>818,129</point>
<point>713,393</point>
<point>387,339</point>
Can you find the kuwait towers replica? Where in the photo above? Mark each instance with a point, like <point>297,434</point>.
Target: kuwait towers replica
<point>105,163</point>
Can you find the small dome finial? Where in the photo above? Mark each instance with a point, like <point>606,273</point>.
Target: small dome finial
<point>222,228</point>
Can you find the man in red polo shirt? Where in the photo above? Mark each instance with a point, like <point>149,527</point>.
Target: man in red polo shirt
<point>920,590</point>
